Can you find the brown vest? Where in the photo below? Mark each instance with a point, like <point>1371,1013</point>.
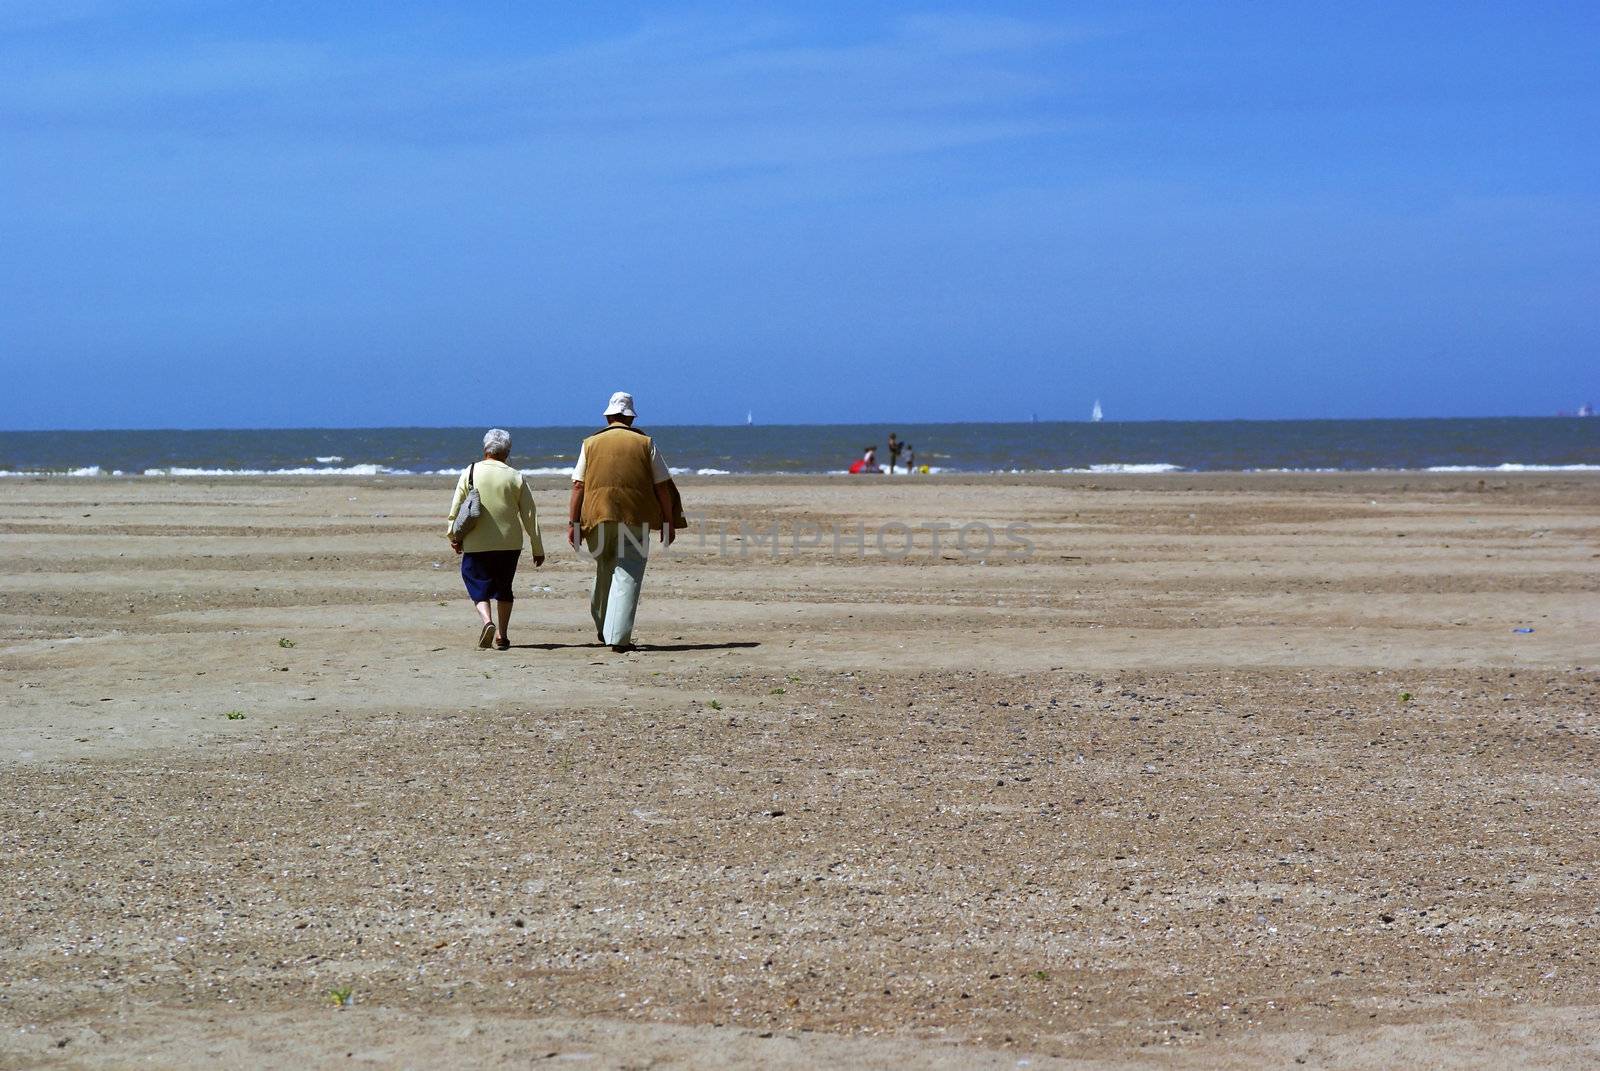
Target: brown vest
<point>618,482</point>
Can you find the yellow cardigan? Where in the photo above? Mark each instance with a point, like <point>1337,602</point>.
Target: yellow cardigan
<point>507,513</point>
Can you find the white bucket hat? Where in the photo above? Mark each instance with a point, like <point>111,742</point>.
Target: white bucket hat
<point>621,404</point>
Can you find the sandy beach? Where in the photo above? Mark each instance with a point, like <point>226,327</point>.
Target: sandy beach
<point>1226,771</point>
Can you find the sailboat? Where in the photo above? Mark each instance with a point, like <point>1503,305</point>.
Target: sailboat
<point>749,417</point>
<point>1096,414</point>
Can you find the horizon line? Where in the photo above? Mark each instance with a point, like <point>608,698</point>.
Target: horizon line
<point>804,424</point>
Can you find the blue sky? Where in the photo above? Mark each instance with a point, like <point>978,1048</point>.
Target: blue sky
<point>297,214</point>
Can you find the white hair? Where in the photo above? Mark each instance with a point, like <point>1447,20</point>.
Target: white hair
<point>497,443</point>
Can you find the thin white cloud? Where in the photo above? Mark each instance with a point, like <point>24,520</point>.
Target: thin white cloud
<point>728,95</point>
<point>955,34</point>
<point>32,16</point>
<point>18,16</point>
<point>215,72</point>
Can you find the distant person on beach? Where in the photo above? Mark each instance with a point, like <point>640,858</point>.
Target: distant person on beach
<point>894,451</point>
<point>621,490</point>
<point>489,548</point>
<point>867,462</point>
<point>911,458</point>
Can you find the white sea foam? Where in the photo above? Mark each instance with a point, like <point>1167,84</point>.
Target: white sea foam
<point>1130,468</point>
<point>699,472</point>
<point>1513,466</point>
<point>1112,469</point>
<point>329,460</point>
<point>87,470</point>
<point>1155,466</point>
<point>559,470</point>
<point>351,470</point>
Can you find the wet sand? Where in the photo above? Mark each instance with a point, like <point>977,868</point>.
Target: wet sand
<point>1229,771</point>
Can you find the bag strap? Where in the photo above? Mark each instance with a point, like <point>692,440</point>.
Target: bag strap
<point>469,472</point>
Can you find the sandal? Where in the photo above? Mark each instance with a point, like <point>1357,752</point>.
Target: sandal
<point>485,637</point>
<point>502,644</point>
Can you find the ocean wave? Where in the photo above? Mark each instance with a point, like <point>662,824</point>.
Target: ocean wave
<point>1512,466</point>
<point>1122,468</point>
<point>329,460</point>
<point>87,470</point>
<point>1117,468</point>
<point>349,470</point>
<point>1154,466</point>
<point>699,472</point>
<point>559,470</point>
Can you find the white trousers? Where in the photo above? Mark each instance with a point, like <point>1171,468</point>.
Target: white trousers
<point>620,552</point>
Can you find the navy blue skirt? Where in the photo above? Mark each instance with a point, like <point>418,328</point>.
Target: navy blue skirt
<point>488,574</point>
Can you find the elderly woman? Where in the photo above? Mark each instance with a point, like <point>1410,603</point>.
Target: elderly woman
<point>490,548</point>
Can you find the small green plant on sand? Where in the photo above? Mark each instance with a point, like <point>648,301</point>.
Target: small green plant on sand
<point>1043,976</point>
<point>776,691</point>
<point>792,679</point>
<point>285,643</point>
<point>234,715</point>
<point>714,705</point>
<point>1405,697</point>
<point>343,997</point>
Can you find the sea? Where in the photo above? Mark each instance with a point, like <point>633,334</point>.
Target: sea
<point>1510,444</point>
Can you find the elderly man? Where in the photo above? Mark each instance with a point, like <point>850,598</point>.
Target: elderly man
<point>621,490</point>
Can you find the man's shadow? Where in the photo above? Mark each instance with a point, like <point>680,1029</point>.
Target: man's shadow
<point>643,648</point>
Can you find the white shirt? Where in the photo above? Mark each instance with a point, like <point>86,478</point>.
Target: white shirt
<point>658,468</point>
